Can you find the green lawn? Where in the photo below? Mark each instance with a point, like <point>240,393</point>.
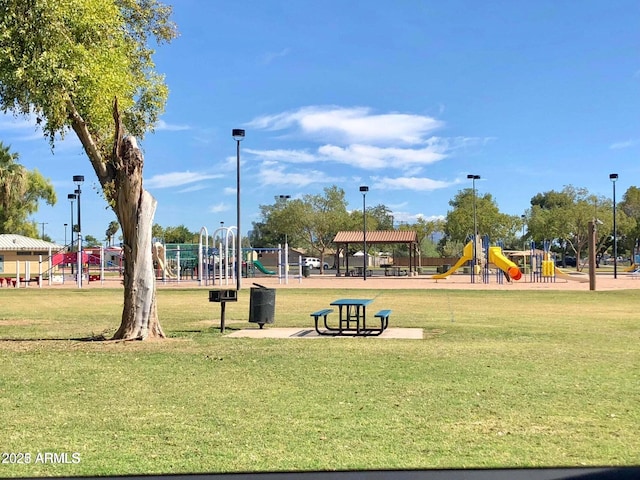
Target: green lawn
<point>502,378</point>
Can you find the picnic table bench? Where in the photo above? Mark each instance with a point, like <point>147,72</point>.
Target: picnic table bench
<point>383,315</point>
<point>352,319</point>
<point>322,313</point>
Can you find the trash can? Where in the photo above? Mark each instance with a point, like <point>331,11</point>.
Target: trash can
<point>262,305</point>
<point>306,271</point>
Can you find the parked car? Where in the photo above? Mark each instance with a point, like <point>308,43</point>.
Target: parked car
<point>313,262</point>
<point>568,261</point>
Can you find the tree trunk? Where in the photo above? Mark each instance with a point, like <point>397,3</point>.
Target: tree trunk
<point>120,175</point>
<point>135,208</point>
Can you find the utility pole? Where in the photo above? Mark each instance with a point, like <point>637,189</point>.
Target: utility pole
<point>592,255</point>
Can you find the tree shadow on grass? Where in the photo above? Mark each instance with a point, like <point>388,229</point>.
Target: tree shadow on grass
<point>105,336</point>
<point>206,331</point>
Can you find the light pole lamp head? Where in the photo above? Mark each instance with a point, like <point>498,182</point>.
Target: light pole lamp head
<point>613,177</point>
<point>284,197</point>
<point>71,196</point>
<point>78,178</point>
<point>473,177</point>
<point>364,189</point>
<point>237,134</point>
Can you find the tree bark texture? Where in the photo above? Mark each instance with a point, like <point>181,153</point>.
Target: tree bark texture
<point>135,208</point>
<point>120,175</point>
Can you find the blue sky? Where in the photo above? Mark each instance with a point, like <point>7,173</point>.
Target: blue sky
<point>407,97</point>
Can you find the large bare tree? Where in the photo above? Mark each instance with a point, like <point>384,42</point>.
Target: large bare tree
<point>86,66</point>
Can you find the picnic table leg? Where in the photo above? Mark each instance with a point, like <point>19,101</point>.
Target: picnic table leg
<point>364,318</point>
<point>349,315</point>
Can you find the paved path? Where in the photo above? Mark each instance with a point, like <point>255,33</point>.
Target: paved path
<point>603,282</point>
<point>457,281</point>
<point>297,332</point>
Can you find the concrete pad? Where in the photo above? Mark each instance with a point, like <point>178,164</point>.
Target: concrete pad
<point>296,332</point>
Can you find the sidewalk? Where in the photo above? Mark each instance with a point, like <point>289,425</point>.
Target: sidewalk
<point>603,282</point>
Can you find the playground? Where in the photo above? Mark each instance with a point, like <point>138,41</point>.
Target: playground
<point>604,282</point>
<point>215,266</point>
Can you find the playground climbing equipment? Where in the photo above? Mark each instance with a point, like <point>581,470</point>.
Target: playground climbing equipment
<point>485,256</point>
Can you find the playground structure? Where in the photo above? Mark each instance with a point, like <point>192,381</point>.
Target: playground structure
<point>216,264</point>
<point>542,265</point>
<point>485,255</point>
<point>635,265</point>
<point>59,267</point>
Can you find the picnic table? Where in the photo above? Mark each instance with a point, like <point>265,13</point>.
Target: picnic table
<point>360,271</point>
<point>352,318</point>
<point>394,271</point>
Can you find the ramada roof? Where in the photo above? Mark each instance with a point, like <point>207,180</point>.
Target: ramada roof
<point>11,242</point>
<point>377,236</point>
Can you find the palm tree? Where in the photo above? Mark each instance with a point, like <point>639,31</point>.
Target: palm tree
<point>20,192</point>
<point>112,229</point>
<point>13,178</point>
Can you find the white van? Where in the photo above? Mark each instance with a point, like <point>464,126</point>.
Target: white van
<point>313,262</point>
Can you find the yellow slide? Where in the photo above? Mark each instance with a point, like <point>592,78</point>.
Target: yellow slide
<point>503,263</point>
<point>578,277</point>
<point>467,255</point>
<point>158,256</point>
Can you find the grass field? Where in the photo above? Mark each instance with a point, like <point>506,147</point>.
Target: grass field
<point>501,379</point>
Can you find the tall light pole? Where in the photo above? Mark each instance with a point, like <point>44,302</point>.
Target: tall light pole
<point>364,189</point>
<point>613,177</point>
<point>284,198</point>
<point>523,217</point>
<point>238,136</point>
<point>71,197</point>
<point>285,256</point>
<point>473,179</point>
<point>78,179</point>
<point>592,254</point>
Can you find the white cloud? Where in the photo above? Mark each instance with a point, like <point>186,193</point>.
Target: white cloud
<point>406,217</point>
<point>371,157</point>
<point>362,156</point>
<point>352,125</point>
<point>161,125</point>
<point>20,128</point>
<point>420,184</point>
<point>290,156</point>
<point>230,163</point>
<point>269,57</point>
<point>176,179</point>
<point>218,208</point>
<point>277,176</point>
<point>193,188</point>
<point>8,121</point>
<point>624,144</point>
<point>360,138</point>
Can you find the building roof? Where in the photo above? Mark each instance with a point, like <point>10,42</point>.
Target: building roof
<point>378,236</point>
<point>11,242</point>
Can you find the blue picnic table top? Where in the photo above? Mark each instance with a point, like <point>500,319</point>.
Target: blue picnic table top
<point>352,302</point>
